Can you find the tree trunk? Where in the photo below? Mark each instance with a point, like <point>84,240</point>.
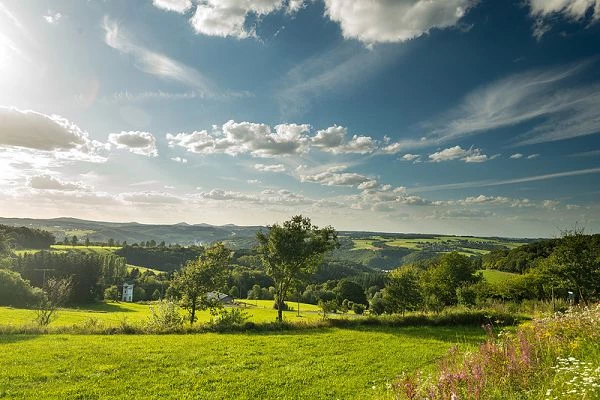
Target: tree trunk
<point>280,311</point>
<point>193,312</point>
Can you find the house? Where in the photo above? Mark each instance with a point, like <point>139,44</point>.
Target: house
<point>127,292</point>
<point>221,297</point>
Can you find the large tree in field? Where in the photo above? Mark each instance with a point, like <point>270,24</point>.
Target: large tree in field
<point>291,252</point>
<point>447,274</point>
<point>401,291</point>
<point>199,277</point>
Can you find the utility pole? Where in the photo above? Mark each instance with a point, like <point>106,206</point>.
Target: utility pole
<point>44,278</point>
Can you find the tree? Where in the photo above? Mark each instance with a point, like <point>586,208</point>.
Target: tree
<point>401,292</point>
<point>448,273</point>
<point>291,252</point>
<point>74,240</point>
<point>352,291</point>
<point>57,293</point>
<point>200,277</point>
<point>111,293</point>
<point>87,242</point>
<point>17,292</point>
<point>575,263</point>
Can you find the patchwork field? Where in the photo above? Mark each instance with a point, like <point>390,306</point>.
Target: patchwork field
<point>321,364</point>
<point>467,245</point>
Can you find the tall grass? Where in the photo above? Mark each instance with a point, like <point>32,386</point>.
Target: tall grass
<point>548,358</point>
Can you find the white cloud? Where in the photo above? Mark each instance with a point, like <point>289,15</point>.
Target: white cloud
<point>551,204</point>
<point>333,177</point>
<point>531,156</point>
<point>137,142</point>
<point>180,160</point>
<point>235,138</point>
<point>573,10</point>
<point>48,133</point>
<point>379,21</point>
<point>228,18</point>
<point>53,17</point>
<point>516,156</point>
<point>158,198</point>
<point>333,140</point>
<point>154,63</point>
<point>410,157</point>
<point>178,6</point>
<point>269,168</point>
<point>47,182</point>
<point>457,152</point>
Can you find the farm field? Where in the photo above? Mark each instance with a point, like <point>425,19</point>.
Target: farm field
<point>466,245</point>
<point>112,314</point>
<point>320,364</point>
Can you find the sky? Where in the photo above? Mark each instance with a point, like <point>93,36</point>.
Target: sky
<point>450,116</point>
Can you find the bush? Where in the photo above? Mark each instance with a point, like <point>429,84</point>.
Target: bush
<point>285,307</point>
<point>111,293</point>
<point>165,317</point>
<point>17,292</point>
<point>377,306</point>
<point>358,308</point>
<point>223,317</point>
<point>155,295</point>
<point>139,294</point>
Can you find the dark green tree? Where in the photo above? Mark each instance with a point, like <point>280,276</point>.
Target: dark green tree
<point>448,273</point>
<point>291,251</point>
<point>402,292</point>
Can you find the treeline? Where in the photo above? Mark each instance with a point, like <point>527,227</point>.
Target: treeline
<point>88,273</point>
<point>163,258</point>
<point>26,238</point>
<point>520,259</point>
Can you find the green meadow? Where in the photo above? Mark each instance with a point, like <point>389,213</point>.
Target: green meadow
<point>329,363</point>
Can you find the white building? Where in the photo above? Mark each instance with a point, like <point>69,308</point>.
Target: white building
<point>127,292</point>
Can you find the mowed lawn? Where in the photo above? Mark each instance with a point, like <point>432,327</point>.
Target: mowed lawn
<point>317,364</point>
<point>112,314</point>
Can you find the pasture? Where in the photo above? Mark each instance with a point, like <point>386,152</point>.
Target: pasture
<point>329,363</point>
<point>113,313</point>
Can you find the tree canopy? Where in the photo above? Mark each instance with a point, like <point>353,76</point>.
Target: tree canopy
<point>292,251</point>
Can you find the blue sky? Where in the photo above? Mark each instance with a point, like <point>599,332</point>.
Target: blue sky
<point>454,116</point>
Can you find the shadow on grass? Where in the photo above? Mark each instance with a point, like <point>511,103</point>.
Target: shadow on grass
<point>104,308</point>
<point>16,338</point>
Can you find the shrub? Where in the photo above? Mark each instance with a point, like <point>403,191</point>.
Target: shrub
<point>358,308</point>
<point>165,317</point>
<point>377,306</point>
<point>139,294</point>
<point>111,293</point>
<point>225,318</point>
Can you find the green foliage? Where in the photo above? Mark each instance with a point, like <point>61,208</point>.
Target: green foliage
<point>161,258</point>
<point>377,305</point>
<point>111,293</point>
<point>292,251</point>
<point>165,317</point>
<point>17,292</point>
<point>401,292</point>
<point>114,269</point>
<point>199,277</point>
<point>227,318</point>
<point>26,238</point>
<point>327,307</point>
<point>139,294</point>
<point>358,308</point>
<point>350,290</point>
<point>448,273</point>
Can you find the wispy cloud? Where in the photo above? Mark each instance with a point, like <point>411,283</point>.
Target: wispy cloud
<point>153,62</point>
<point>336,69</point>
<point>566,110</point>
<point>485,183</point>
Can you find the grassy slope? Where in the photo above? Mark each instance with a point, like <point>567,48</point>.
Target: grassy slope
<point>322,364</point>
<point>495,276</point>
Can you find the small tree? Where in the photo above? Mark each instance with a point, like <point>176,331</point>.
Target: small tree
<point>74,240</point>
<point>56,292</point>
<point>291,252</point>
<point>327,307</point>
<point>200,277</point>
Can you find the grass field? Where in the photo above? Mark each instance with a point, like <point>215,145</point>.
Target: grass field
<point>112,314</point>
<point>495,276</point>
<point>321,364</point>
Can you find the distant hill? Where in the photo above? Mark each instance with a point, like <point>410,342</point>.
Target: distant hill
<point>134,232</point>
<point>371,249</point>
